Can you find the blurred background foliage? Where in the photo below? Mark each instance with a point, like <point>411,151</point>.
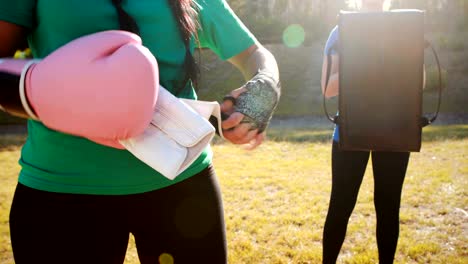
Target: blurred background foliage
<point>268,18</point>
<point>275,23</point>
<point>23,54</point>
<point>295,31</point>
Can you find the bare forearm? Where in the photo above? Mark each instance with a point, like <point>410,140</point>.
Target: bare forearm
<point>256,59</point>
<point>332,87</point>
<point>256,100</point>
<point>332,83</point>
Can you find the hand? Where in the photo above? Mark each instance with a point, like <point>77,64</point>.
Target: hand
<point>234,129</point>
<point>259,99</point>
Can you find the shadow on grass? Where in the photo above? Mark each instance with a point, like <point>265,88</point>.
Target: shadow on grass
<point>12,141</point>
<point>445,132</point>
<point>321,135</point>
<point>317,135</point>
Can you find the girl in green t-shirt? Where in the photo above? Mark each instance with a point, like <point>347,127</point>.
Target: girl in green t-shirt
<point>76,200</point>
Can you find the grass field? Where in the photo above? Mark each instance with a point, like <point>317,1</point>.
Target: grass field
<point>276,199</point>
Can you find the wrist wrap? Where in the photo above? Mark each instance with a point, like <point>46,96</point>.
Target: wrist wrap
<point>259,101</point>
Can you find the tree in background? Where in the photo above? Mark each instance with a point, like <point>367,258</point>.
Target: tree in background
<point>438,13</point>
<point>269,18</point>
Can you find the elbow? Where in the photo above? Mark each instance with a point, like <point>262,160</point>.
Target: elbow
<point>329,93</point>
<point>331,87</point>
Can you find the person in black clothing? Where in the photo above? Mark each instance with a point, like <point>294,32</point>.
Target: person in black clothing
<point>348,168</point>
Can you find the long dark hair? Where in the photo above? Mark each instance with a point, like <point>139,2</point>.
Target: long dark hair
<point>186,15</point>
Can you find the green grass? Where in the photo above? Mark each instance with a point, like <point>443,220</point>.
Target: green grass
<point>276,198</point>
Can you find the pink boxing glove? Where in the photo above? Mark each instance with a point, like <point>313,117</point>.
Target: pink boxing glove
<point>103,86</point>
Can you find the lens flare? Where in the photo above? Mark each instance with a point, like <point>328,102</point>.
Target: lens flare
<point>166,258</point>
<point>293,36</point>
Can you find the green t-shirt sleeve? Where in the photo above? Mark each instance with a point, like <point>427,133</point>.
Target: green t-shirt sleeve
<point>20,12</point>
<point>221,30</point>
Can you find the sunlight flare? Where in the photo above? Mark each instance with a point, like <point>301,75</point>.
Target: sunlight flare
<point>293,36</point>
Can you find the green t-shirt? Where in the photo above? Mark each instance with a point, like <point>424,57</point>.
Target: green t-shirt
<point>58,162</point>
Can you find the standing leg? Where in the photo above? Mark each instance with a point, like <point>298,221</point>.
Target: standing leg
<point>61,228</point>
<point>389,174</point>
<point>348,169</point>
<point>183,222</point>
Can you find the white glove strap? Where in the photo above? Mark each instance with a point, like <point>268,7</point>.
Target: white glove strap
<point>174,140</point>
<point>207,109</point>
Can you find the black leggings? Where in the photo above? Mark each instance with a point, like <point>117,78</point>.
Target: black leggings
<point>348,167</point>
<point>183,221</point>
